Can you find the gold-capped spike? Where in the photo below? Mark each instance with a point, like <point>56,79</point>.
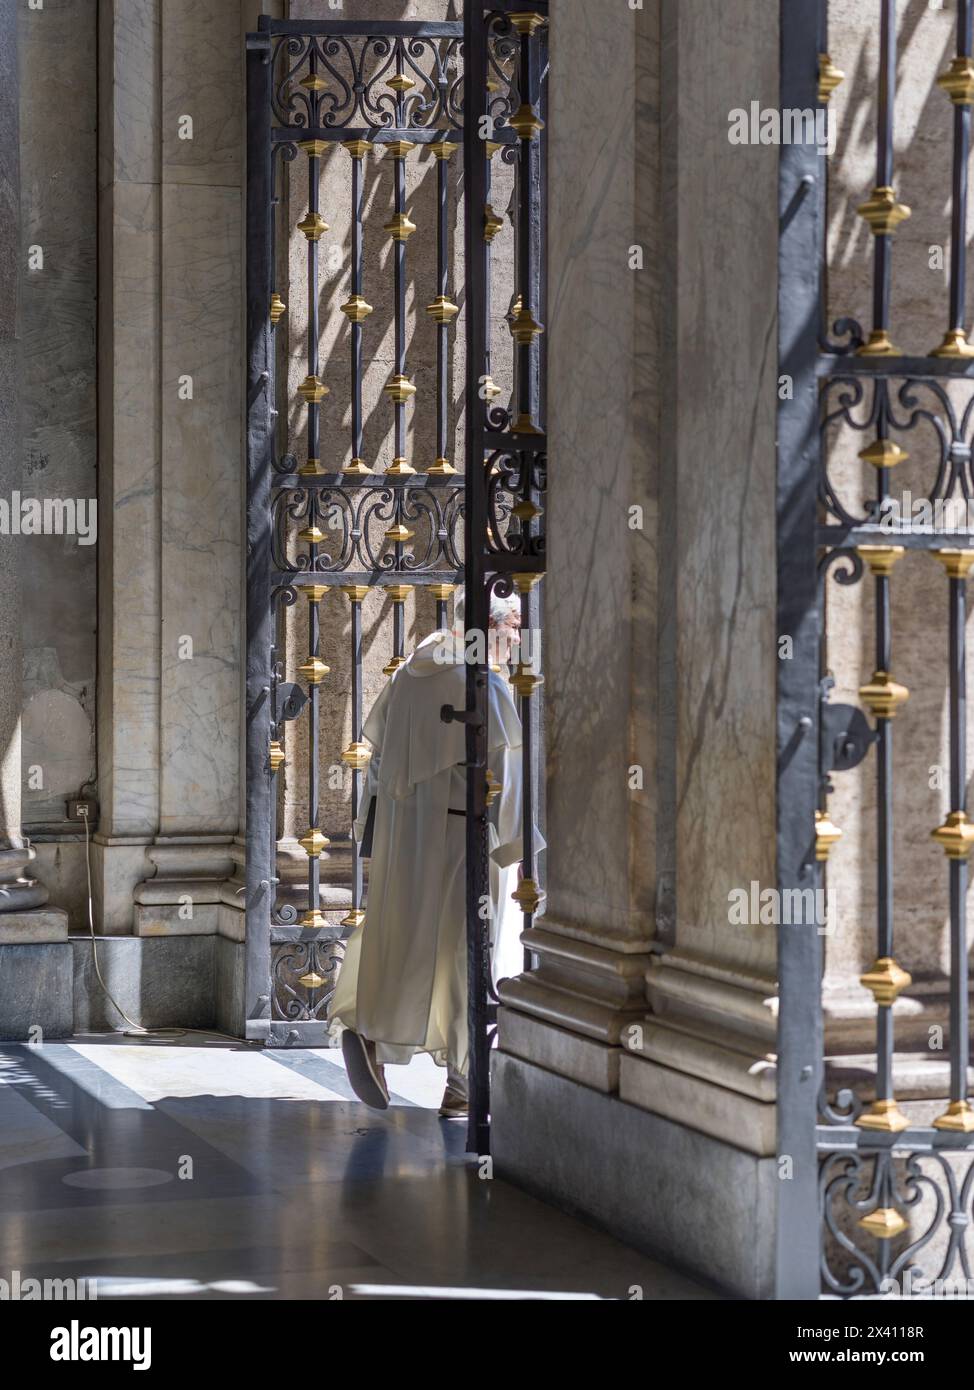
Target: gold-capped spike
<point>356,756</point>
<point>525,327</point>
<point>314,671</point>
<point>829,77</point>
<point>827,833</point>
<point>400,468</point>
<point>355,918</point>
<point>399,534</point>
<point>881,558</point>
<point>393,665</point>
<point>955,836</point>
<point>399,148</point>
<point>313,918</point>
<point>400,228</point>
<point>442,310</point>
<point>527,896</point>
<point>884,1116</point>
<point>313,225</point>
<point>313,82</point>
<point>400,388</point>
<point>358,149</point>
<point>886,980</point>
<point>276,756</point>
<point>401,83</point>
<point>441,592</point>
<point>444,150</point>
<point>883,213</point>
<point>315,148</point>
<point>526,21</point>
<point>878,344</point>
<point>884,1223</point>
<point>883,453</point>
<point>355,593</point>
<point>526,122</point>
<point>442,468</point>
<point>492,223</point>
<point>312,980</point>
<point>358,468</point>
<point>313,842</point>
<point>883,695</point>
<point>958,1118</point>
<point>955,562</point>
<point>525,681</point>
<point>278,308</point>
<point>311,469</point>
<point>311,535</point>
<point>356,308</point>
<point>955,344</point>
<point>958,81</point>
<point>494,788</point>
<point>313,389</point>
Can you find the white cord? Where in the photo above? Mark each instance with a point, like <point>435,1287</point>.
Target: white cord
<point>135,1029</point>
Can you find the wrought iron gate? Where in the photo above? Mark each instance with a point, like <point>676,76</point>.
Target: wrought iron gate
<point>322,520</point>
<point>861,1168</point>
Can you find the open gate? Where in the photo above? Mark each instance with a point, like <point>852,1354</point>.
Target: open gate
<point>869,1186</point>
<point>329,521</point>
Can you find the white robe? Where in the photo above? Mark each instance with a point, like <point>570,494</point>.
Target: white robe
<point>403,983</point>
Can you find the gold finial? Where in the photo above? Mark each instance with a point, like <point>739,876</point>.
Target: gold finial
<point>444,150</point>
<point>442,310</point>
<point>313,82</point>
<point>829,77</point>
<point>955,344</point>
<point>277,308</point>
<point>441,592</point>
<point>492,223</point>
<point>878,344</point>
<point>525,681</point>
<point>524,581</point>
<point>526,122</point>
<point>400,228</point>
<point>313,389</point>
<point>313,670</point>
<point>314,842</point>
<point>313,225</point>
<point>358,149</point>
<point>401,83</point>
<point>315,148</point>
<point>883,695</point>
<point>355,593</point>
<point>955,836</point>
<point>311,469</point>
<point>399,148</point>
<point>393,665</point>
<point>400,388</point>
<point>314,917</point>
<point>442,468</point>
<point>494,788</point>
<point>883,213</point>
<point>398,592</point>
<point>881,558</point>
<point>355,918</point>
<point>356,756</point>
<point>958,1118</point>
<point>358,468</point>
<point>312,980</point>
<point>827,833</point>
<point>884,1223</point>
<point>886,980</point>
<point>356,308</point>
<point>885,1116</point>
<point>312,535</point>
<point>955,562</point>
<point>883,453</point>
<point>958,81</point>
<point>399,534</point>
<point>276,756</point>
<point>527,896</point>
<point>526,511</point>
<point>399,468</point>
<point>526,21</point>
<point>314,593</point>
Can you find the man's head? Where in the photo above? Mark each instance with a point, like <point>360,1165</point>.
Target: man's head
<point>504,622</point>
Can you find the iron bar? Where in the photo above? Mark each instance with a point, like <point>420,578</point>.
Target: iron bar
<point>356,308</point>
<point>958,82</point>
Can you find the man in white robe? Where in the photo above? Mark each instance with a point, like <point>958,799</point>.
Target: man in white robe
<point>402,988</point>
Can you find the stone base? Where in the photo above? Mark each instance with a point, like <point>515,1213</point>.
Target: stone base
<point>36,991</point>
<point>683,1197</point>
<point>228,964</point>
<point>160,982</point>
<point>39,924</point>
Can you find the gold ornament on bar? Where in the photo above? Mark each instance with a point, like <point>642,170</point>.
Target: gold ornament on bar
<point>315,148</point>
<point>525,580</point>
<point>881,558</point>
<point>355,593</point>
<point>311,469</point>
<point>442,309</point>
<point>442,468</point>
<point>393,665</point>
<point>314,593</point>
<point>442,592</point>
<point>883,213</point>
<point>278,308</point>
<point>886,980</point>
<point>955,344</point>
<point>955,562</point>
<point>883,695</point>
<point>312,535</point>
<point>398,592</point>
<point>400,468</point>
<point>276,756</point>
<point>313,842</point>
<point>399,388</point>
<point>958,81</point>
<point>494,788</point>
<point>829,77</point>
<point>955,836</point>
<point>399,148</point>
<point>883,453</point>
<point>492,146</point>
<point>313,82</point>
<point>489,388</point>
<point>884,1116</point>
<point>492,223</point>
<point>356,756</point>
<point>958,1118</point>
<point>399,534</point>
<point>356,308</point>
<point>401,83</point>
<point>358,149</point>
<point>314,671</point>
<point>878,344</point>
<point>355,918</point>
<point>358,468</point>
<point>525,681</point>
<point>313,225</point>
<point>313,389</point>
<point>884,1223</point>
<point>314,917</point>
<point>525,511</point>
<point>523,424</point>
<point>527,896</point>
<point>312,980</point>
<point>399,227</point>
<point>444,150</point>
<point>526,21</point>
<point>526,122</point>
<point>525,327</point>
<point>827,833</point>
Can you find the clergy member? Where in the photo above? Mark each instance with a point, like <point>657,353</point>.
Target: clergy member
<point>402,988</point>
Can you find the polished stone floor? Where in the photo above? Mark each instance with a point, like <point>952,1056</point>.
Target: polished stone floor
<point>193,1168</point>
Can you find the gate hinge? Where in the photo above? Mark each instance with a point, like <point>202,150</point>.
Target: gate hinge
<point>845,734</point>
<point>289,700</point>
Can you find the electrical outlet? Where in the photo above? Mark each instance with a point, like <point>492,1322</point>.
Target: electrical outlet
<point>85,808</point>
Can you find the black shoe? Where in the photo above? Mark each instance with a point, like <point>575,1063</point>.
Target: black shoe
<point>367,1077</point>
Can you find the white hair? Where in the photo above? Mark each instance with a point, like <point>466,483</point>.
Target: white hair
<point>500,608</point>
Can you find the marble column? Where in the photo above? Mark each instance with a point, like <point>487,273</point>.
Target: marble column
<point>32,936</point>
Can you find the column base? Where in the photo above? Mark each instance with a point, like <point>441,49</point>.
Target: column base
<point>36,988</point>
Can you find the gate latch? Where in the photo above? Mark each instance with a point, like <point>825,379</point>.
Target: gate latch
<point>289,700</point>
<point>845,737</point>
